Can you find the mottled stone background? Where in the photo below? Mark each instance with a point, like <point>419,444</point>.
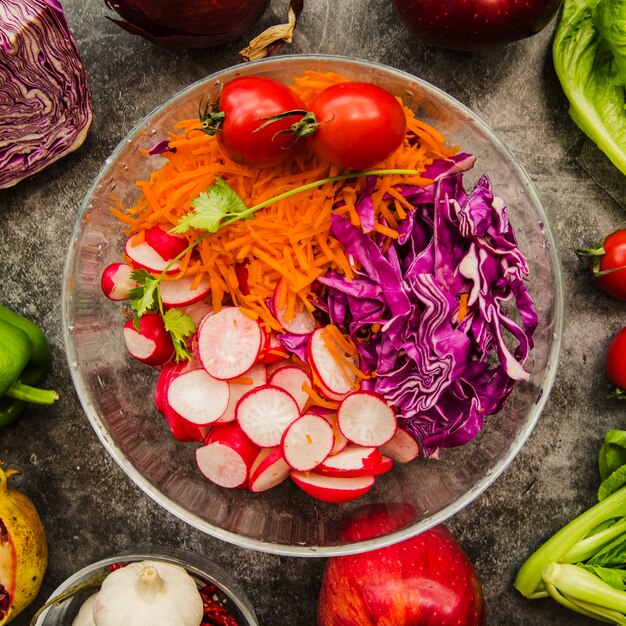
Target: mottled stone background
<point>89,506</point>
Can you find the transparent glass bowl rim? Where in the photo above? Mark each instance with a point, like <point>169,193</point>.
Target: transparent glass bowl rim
<point>178,556</point>
<point>443,514</point>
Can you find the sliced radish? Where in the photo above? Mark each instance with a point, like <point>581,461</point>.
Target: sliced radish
<point>331,375</point>
<point>265,412</point>
<point>307,441</point>
<point>180,428</point>
<point>402,447</point>
<point>330,488</point>
<point>292,379</point>
<point>181,292</point>
<point>145,256</point>
<point>198,397</point>
<point>227,456</point>
<point>241,272</point>
<point>301,320</point>
<point>273,350</point>
<point>365,418</point>
<point>253,378</point>
<point>150,343</point>
<point>340,441</point>
<point>167,245</point>
<point>116,282</point>
<point>198,311</point>
<point>228,343</point>
<point>268,470</point>
<point>274,367</point>
<point>355,460</point>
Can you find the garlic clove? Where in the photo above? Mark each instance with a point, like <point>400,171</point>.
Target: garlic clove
<point>85,615</point>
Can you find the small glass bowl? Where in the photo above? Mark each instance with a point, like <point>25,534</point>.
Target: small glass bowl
<point>117,392</point>
<point>201,569</point>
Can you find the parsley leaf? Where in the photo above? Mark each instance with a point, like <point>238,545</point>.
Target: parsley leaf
<point>144,297</point>
<point>180,326</point>
<point>218,202</point>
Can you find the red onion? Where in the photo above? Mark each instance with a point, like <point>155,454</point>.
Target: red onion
<point>189,23</point>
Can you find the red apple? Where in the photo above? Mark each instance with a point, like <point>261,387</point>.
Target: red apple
<point>475,24</point>
<point>423,581</point>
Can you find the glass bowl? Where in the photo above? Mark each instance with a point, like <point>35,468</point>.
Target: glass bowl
<point>116,391</point>
<point>200,568</point>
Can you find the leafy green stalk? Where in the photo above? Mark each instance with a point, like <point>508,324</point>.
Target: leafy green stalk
<point>529,578</point>
<point>585,549</point>
<point>583,592</point>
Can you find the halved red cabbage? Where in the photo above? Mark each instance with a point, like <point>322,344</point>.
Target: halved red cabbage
<point>445,365</point>
<point>45,108</point>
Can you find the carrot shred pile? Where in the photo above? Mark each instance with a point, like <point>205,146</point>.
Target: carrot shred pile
<point>288,240</point>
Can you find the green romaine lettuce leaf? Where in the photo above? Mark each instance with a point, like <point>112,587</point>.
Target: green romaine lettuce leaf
<point>589,58</point>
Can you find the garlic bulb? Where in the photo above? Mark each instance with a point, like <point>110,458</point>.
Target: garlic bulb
<point>148,593</point>
<point>85,615</point>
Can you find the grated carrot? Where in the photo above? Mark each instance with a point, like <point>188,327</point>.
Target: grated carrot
<point>289,239</point>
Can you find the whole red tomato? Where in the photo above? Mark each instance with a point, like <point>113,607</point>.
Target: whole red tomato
<point>611,275</point>
<point>616,361</point>
<point>235,117</point>
<point>358,125</point>
<point>608,263</point>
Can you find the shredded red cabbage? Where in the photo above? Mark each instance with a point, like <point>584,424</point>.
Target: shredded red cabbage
<point>442,315</point>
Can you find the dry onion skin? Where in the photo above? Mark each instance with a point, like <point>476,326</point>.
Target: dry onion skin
<point>45,106</point>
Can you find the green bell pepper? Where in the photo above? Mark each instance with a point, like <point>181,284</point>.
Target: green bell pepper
<point>24,360</point>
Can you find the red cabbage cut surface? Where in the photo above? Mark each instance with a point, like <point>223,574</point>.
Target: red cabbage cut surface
<point>45,108</point>
<point>445,366</point>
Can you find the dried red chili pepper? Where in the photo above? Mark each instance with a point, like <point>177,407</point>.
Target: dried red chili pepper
<point>215,613</point>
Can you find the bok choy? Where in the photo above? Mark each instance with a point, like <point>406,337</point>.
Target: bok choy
<point>589,53</point>
<point>583,566</point>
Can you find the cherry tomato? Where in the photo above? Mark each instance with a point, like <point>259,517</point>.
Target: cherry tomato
<point>608,263</point>
<point>236,115</point>
<point>359,125</point>
<point>614,258</point>
<point>616,360</point>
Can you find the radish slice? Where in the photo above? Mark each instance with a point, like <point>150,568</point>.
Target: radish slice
<point>331,375</point>
<point>151,343</point>
<point>181,292</point>
<point>268,470</point>
<point>198,311</point>
<point>340,441</point>
<point>167,245</point>
<point>365,418</point>
<point>257,376</point>
<point>198,397</point>
<point>402,447</point>
<point>228,343</point>
<point>301,321</point>
<point>264,413</point>
<point>292,379</point>
<point>307,441</point>
<point>116,282</point>
<point>227,456</point>
<point>145,256</point>
<point>330,488</point>
<point>355,460</point>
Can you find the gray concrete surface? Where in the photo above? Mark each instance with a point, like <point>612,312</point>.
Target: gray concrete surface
<point>89,506</point>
